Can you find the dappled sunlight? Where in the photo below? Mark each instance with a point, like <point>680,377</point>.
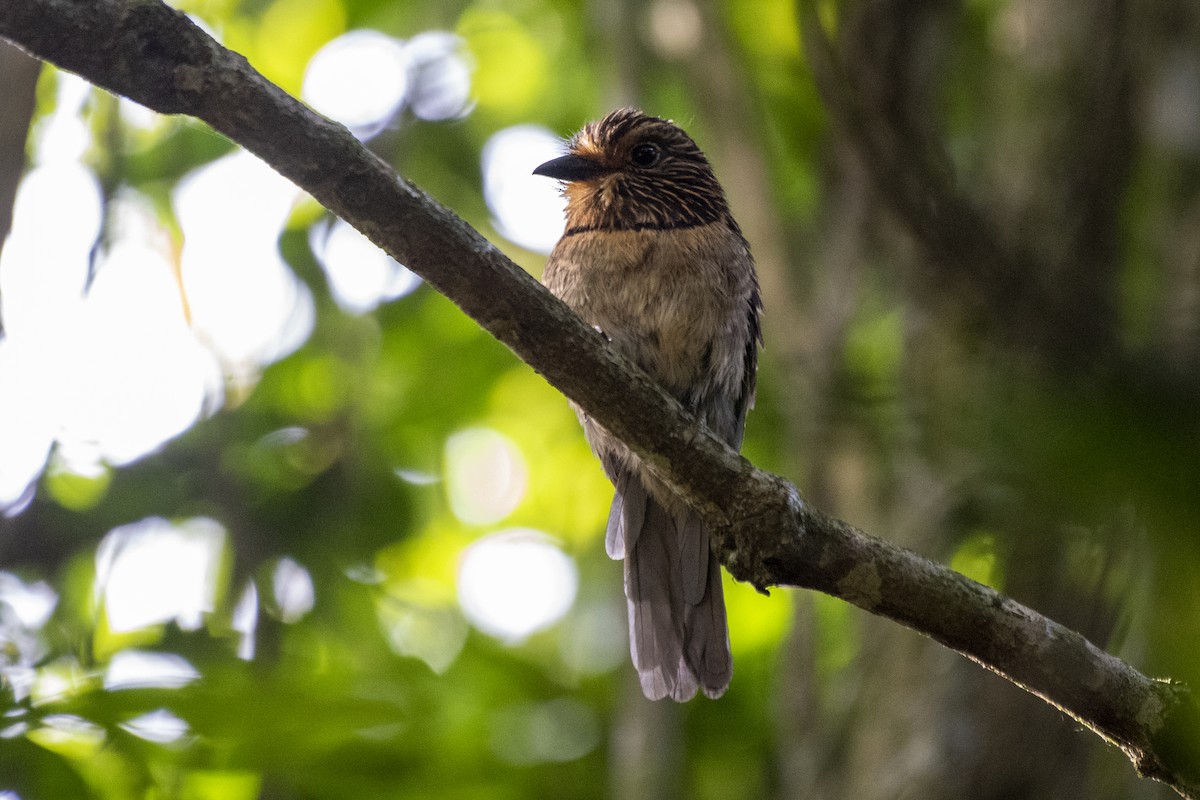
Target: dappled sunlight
<point>68,732</point>
<point>364,78</point>
<point>44,263</point>
<point>526,209</point>
<point>441,70</point>
<point>137,669</point>
<point>159,726</point>
<point>109,371</point>
<point>43,269</point>
<point>119,339</point>
<point>293,590</point>
<point>516,582</point>
<point>28,605</point>
<point>361,276</point>
<point>24,610</point>
<point>244,301</point>
<point>359,79</point>
<point>245,621</point>
<point>63,136</point>
<point>486,476</point>
<point>154,571</point>
<point>58,680</point>
<point>111,375</point>
<point>139,376</point>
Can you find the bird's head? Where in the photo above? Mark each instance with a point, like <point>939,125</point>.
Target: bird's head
<point>630,171</point>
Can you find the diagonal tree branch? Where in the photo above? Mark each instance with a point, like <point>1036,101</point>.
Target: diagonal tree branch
<point>766,533</point>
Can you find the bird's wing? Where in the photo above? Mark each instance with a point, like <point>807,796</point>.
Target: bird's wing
<point>745,398</point>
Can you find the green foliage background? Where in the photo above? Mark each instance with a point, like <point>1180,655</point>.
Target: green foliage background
<point>886,395</point>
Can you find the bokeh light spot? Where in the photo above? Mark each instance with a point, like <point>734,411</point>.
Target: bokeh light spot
<point>139,669</point>
<point>514,583</point>
<point>441,76</point>
<point>110,374</point>
<point>359,79</point>
<point>486,475</point>
<point>244,301</point>
<point>140,377</point>
<point>293,590</point>
<point>361,276</point>
<point>596,638</point>
<point>159,726</point>
<point>676,27</point>
<point>245,620</point>
<point>153,571</point>
<point>69,735</point>
<point>527,209</point>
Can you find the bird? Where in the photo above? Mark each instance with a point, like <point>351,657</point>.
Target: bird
<point>652,257</point>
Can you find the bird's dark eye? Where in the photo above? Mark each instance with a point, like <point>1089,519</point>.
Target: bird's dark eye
<point>645,154</point>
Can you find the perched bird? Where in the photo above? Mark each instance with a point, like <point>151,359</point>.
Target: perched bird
<point>652,258</point>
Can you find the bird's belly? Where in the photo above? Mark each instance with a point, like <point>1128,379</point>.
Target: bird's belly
<point>659,297</point>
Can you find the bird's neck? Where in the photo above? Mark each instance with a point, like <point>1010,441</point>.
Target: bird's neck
<point>602,207</point>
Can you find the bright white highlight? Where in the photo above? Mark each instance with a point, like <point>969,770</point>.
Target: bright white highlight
<point>441,76</point>
<point>526,209</point>
<point>30,604</point>
<point>139,376</point>
<point>152,572</point>
<point>104,374</point>
<point>359,79</point>
<point>159,726</point>
<point>65,137</point>
<point>62,729</point>
<point>245,621</point>
<point>140,669</point>
<point>56,219</point>
<point>111,374</point>
<point>515,583</point>
<point>293,590</point>
<point>485,475</point>
<point>361,276</point>
<point>364,79</point>
<point>245,302</point>
<point>25,608</point>
<point>43,267</point>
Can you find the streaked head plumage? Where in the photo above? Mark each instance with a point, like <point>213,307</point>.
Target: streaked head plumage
<point>630,170</point>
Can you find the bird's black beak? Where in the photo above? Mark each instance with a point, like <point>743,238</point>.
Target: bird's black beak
<point>571,168</point>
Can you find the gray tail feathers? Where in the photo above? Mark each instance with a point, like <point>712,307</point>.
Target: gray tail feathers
<point>678,634</point>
